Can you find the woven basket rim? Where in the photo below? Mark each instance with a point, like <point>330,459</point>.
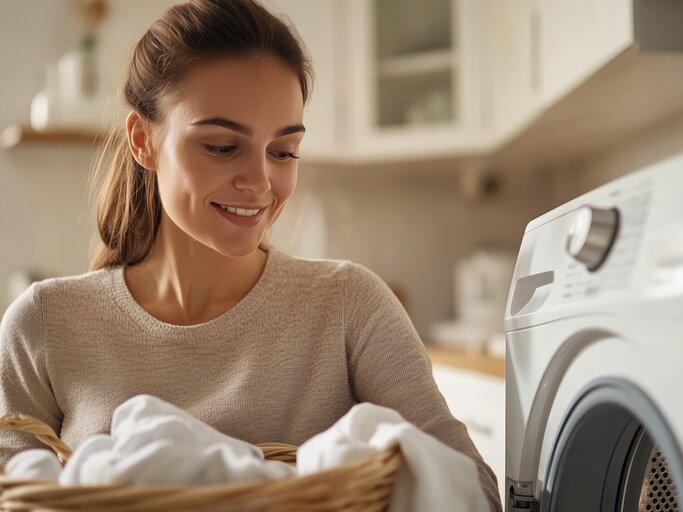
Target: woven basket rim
<point>387,453</point>
<point>366,482</point>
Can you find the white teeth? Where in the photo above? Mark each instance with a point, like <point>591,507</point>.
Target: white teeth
<point>240,211</point>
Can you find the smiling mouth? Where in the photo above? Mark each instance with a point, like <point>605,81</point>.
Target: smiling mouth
<point>242,212</point>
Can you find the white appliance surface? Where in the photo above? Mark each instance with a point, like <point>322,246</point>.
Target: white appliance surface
<point>569,328</point>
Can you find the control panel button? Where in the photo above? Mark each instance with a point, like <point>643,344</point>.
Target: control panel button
<point>592,234</point>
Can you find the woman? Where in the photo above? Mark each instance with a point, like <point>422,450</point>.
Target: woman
<point>185,300</point>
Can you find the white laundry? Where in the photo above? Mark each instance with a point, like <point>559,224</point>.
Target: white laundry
<point>433,476</point>
<point>154,442</point>
<point>34,464</point>
<point>146,412</point>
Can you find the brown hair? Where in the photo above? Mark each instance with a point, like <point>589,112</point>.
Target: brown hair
<point>128,204</point>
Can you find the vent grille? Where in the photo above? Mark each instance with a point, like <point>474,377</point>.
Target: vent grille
<point>659,494</point>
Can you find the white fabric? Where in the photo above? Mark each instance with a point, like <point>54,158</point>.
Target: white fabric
<point>154,442</point>
<point>432,477</point>
<point>34,464</point>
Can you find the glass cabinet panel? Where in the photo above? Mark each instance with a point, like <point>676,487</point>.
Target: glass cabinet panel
<point>416,61</point>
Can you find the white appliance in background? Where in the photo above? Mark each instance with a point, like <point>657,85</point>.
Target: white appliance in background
<point>594,325</point>
<point>480,288</point>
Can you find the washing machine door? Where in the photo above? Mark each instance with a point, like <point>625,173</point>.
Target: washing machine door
<point>614,452</point>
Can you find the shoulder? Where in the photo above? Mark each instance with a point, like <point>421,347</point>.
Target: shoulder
<point>336,272</point>
<point>355,281</point>
<point>24,314</point>
<point>54,294</point>
<point>61,292</point>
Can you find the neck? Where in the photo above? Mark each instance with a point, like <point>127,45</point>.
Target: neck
<point>182,281</point>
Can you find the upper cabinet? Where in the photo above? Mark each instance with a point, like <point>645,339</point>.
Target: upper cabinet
<point>400,79</point>
<point>514,67</point>
<point>414,85</point>
<point>500,80</point>
<point>573,78</point>
<point>543,50</point>
<point>392,81</point>
<point>579,37</point>
<point>318,24</point>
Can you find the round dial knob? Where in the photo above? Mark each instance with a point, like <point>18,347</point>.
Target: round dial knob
<point>591,235</point>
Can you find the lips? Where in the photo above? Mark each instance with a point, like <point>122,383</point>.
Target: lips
<point>240,217</point>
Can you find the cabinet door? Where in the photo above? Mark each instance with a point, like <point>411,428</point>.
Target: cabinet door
<point>515,65</point>
<point>578,37</point>
<point>412,73</point>
<point>318,24</point>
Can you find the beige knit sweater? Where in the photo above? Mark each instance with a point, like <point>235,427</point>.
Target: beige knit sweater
<point>311,339</point>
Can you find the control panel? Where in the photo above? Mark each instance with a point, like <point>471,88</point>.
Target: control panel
<point>603,243</point>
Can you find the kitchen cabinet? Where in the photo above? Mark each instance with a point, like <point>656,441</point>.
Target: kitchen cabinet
<point>463,78</point>
<point>414,78</point>
<point>573,79</point>
<point>320,28</point>
<point>478,400</point>
<point>544,49</point>
<point>514,65</point>
<point>577,38</point>
<point>393,82</point>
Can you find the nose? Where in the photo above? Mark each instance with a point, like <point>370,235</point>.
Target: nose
<point>253,175</point>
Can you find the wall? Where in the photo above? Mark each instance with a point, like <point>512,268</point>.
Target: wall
<point>42,225</point>
<point>631,155</point>
<point>45,223</point>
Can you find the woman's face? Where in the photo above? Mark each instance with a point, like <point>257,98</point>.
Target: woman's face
<point>226,159</point>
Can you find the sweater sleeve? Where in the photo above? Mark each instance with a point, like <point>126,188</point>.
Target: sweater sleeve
<point>389,366</point>
<point>25,386</point>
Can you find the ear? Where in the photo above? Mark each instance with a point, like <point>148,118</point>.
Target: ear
<point>140,141</point>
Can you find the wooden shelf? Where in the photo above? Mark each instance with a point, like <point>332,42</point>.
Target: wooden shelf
<point>16,135</point>
<point>477,362</point>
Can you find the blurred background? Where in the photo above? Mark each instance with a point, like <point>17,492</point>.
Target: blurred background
<point>437,130</point>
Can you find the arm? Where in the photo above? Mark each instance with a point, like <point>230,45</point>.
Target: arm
<point>389,366</point>
<point>25,387</point>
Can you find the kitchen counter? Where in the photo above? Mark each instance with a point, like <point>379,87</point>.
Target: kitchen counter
<point>473,361</point>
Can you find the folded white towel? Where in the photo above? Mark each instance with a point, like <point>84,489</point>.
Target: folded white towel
<point>433,476</point>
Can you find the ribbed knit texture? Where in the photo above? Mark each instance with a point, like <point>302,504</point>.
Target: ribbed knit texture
<point>310,339</point>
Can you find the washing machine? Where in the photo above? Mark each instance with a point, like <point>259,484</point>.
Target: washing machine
<point>594,335</point>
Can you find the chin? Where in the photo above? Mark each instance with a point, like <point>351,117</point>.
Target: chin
<point>235,250</point>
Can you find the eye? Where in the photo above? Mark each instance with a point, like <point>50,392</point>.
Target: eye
<point>220,150</point>
<point>283,155</point>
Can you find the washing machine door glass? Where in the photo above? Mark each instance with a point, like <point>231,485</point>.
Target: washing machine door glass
<point>615,452</point>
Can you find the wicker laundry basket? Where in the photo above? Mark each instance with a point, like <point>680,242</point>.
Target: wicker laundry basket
<point>363,486</point>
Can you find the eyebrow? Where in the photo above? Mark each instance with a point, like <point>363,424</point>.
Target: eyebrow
<point>246,130</point>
